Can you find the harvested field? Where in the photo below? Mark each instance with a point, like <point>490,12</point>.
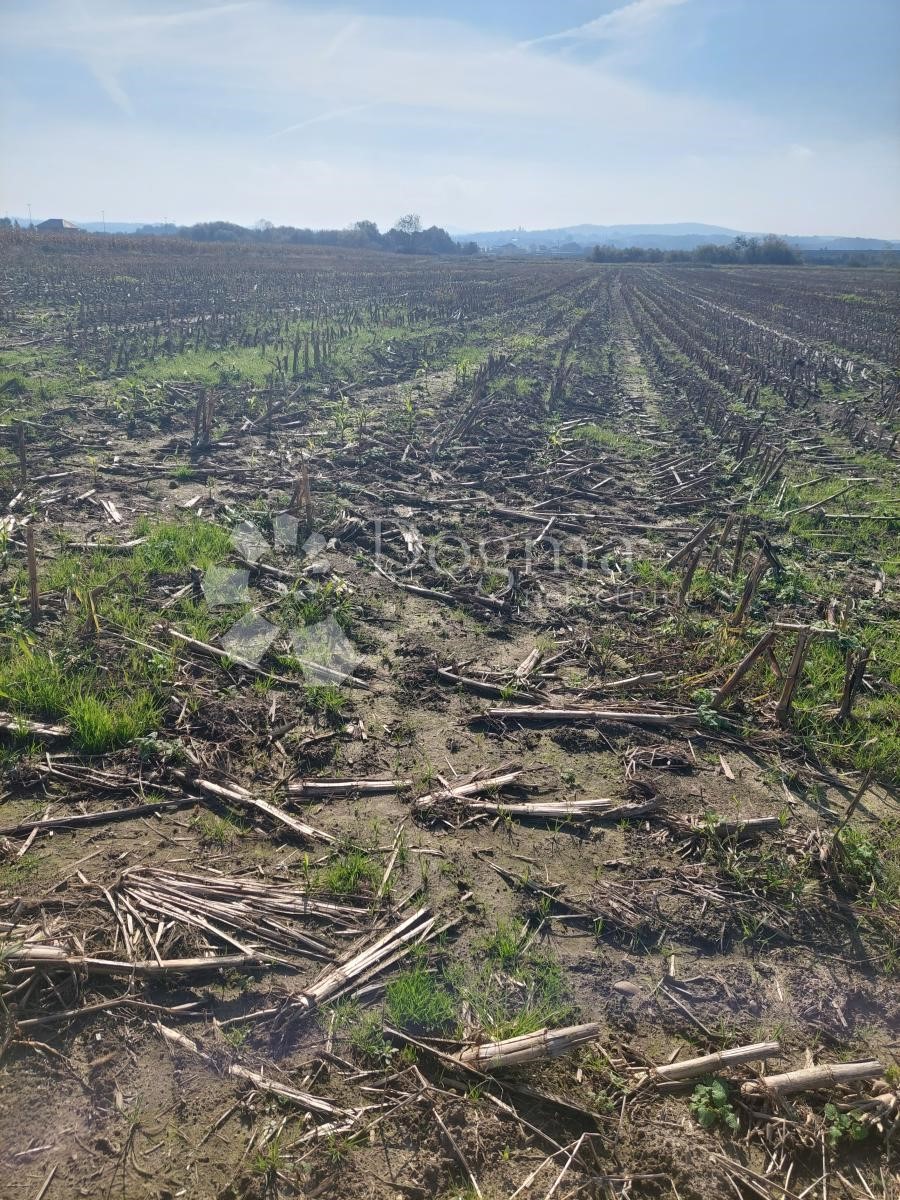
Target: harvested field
<point>449,726</point>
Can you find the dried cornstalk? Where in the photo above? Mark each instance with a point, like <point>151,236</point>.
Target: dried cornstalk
<point>686,580</point>
<point>663,757</point>
<point>723,538</point>
<point>529,1047</point>
<point>386,950</point>
<point>252,908</point>
<point>855,802</point>
<point>763,646</point>
<point>23,454</point>
<point>75,820</point>
<point>707,1063</point>
<point>556,810</point>
<point>565,810</point>
<point>811,1079</point>
<point>234,793</point>
<point>795,512</point>
<point>339,677</point>
<point>313,789</point>
<point>749,828</point>
<point>755,575</point>
<point>739,547</point>
<point>462,790</point>
<point>308,511</point>
<point>634,681</point>
<point>494,603</point>
<point>483,688</point>
<point>395,852</point>
<point>696,542</point>
<point>685,718</point>
<point>786,699</point>
<point>50,957</point>
<point>528,664</point>
<point>853,677</point>
<point>111,511</point>
<point>16,724</point>
<point>34,604</point>
<point>312,1104</point>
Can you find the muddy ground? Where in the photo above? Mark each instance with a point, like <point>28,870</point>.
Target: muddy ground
<point>540,554</point>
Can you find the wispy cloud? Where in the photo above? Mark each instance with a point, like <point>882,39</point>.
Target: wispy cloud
<point>110,83</point>
<point>344,34</point>
<point>334,114</point>
<point>467,127</point>
<point>631,20</point>
<point>171,20</point>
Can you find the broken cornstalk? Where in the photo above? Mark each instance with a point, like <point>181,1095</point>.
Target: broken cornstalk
<point>811,1079</point>
<point>528,1048</point>
<point>34,606</point>
<point>791,680</point>
<point>690,1068</point>
<point>763,646</point>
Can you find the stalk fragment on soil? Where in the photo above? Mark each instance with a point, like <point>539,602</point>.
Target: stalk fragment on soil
<point>305,1100</point>
<point>384,952</point>
<point>685,718</point>
<point>321,671</point>
<point>707,1063</point>
<point>550,810</point>
<point>529,1047</point>
<point>16,724</point>
<point>315,789</point>
<point>235,793</point>
<point>254,909</point>
<point>812,1079</point>
<point>459,791</point>
<point>51,957</point>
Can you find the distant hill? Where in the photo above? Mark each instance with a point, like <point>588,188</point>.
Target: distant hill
<point>679,236</point>
<point>116,226</point>
<point>577,240</point>
<point>676,236</point>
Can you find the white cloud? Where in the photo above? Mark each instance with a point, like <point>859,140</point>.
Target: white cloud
<point>334,114</point>
<point>109,81</point>
<point>631,20</point>
<point>271,56</point>
<point>344,34</point>
<point>418,113</point>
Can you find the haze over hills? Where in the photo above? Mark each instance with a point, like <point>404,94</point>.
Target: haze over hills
<point>579,239</point>
<point>684,235</point>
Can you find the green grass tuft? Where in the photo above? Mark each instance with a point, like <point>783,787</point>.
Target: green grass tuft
<point>417,999</point>
<point>99,725</point>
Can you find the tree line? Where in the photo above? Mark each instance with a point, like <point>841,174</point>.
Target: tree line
<point>406,236</point>
<point>770,250</point>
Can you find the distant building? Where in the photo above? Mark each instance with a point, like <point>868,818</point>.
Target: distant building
<point>57,225</point>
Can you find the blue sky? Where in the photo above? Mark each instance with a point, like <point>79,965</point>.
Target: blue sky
<point>756,114</point>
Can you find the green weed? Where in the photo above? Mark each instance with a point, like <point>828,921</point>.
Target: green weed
<point>844,1126</point>
<point>711,1106</point>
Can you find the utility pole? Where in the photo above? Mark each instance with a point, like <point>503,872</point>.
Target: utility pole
<point>30,222</point>
<point>103,218</point>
